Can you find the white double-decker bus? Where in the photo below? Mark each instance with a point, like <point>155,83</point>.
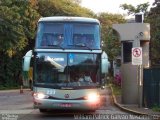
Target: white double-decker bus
<point>67,64</point>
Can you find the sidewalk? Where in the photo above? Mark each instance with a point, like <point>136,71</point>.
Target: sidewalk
<point>14,90</point>
<point>134,109</point>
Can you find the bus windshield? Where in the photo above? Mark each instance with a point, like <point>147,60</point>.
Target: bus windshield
<point>68,35</point>
<point>73,70</point>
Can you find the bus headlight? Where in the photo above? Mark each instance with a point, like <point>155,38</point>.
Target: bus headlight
<point>93,98</point>
<point>40,95</point>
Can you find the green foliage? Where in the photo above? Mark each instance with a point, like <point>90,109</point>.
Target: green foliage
<point>62,8</point>
<point>110,39</point>
<point>154,20</point>
<point>116,89</point>
<point>12,34</point>
<point>139,8</point>
<point>17,28</point>
<point>156,108</point>
<point>9,87</point>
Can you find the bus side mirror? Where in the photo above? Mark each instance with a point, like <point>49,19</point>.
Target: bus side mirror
<point>27,60</point>
<point>104,63</point>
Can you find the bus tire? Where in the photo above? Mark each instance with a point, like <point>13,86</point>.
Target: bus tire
<point>42,110</point>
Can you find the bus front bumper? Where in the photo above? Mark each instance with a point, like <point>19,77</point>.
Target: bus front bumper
<point>65,104</point>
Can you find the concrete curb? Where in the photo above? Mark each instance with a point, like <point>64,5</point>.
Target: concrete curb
<point>128,110</point>
<point>154,117</point>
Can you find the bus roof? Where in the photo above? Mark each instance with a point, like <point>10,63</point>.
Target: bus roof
<point>69,19</point>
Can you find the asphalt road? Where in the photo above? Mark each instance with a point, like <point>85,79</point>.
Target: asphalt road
<point>16,106</point>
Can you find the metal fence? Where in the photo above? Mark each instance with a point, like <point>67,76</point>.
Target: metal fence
<point>151,88</point>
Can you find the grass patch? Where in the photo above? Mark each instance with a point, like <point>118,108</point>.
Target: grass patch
<point>156,108</point>
<point>3,87</point>
<point>116,89</point>
<point>8,87</point>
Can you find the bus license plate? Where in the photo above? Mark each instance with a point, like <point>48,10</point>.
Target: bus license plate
<point>66,105</point>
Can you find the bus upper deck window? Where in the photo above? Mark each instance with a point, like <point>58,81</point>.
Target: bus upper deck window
<point>51,39</point>
<point>84,38</point>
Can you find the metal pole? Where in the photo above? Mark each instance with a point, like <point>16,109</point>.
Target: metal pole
<point>140,86</point>
<point>138,81</point>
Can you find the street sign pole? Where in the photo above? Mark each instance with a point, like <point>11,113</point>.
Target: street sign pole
<point>137,60</point>
<point>140,87</point>
<point>140,72</point>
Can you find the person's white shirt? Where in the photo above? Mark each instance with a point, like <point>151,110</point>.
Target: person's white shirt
<point>81,79</point>
<point>85,79</point>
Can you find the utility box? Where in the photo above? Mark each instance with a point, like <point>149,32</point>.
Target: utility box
<point>132,35</point>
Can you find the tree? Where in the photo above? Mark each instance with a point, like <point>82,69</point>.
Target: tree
<point>62,8</point>
<point>77,1</point>
<point>138,9</point>
<point>154,20</point>
<point>157,2</point>
<point>17,27</point>
<point>108,36</point>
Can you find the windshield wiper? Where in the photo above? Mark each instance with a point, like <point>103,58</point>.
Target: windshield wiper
<point>57,46</point>
<point>83,45</point>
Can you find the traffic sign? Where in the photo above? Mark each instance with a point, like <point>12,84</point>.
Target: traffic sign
<point>137,56</point>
